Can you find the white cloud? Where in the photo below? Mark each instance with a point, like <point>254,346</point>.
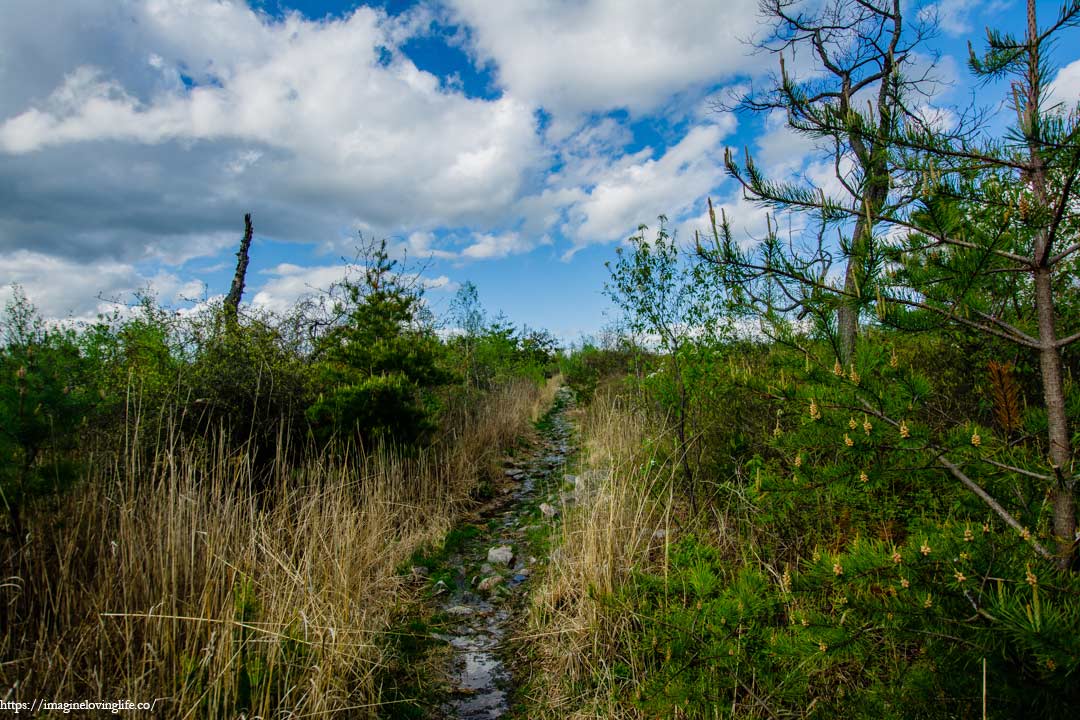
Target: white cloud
<point>314,126</point>
<point>422,245</point>
<point>61,287</point>
<point>1065,88</point>
<point>780,150</point>
<point>287,283</point>
<point>627,194</point>
<point>952,16</point>
<point>488,246</point>
<point>575,57</point>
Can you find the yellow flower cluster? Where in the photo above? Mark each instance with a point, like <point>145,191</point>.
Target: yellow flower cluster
<point>904,431</point>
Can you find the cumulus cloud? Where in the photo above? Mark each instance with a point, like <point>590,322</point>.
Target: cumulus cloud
<point>134,134</point>
<point>287,283</point>
<point>952,16</point>
<point>597,55</point>
<point>1065,88</point>
<point>61,288</point>
<point>629,193</point>
<point>202,109</point>
<point>496,246</point>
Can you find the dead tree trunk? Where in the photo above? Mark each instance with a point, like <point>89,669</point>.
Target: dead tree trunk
<point>232,300</point>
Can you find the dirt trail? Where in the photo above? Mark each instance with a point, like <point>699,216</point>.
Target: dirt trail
<point>490,573</point>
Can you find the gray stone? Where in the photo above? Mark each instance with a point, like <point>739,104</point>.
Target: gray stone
<point>548,510</point>
<point>502,555</point>
<point>460,610</point>
<point>419,572</point>
<point>660,534</point>
<point>488,584</point>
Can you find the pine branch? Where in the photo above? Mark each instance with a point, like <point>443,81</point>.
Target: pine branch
<point>971,485</point>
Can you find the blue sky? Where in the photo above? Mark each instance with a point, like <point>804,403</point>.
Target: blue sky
<point>513,144</point>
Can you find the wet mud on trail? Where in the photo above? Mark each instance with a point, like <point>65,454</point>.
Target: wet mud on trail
<point>479,588</point>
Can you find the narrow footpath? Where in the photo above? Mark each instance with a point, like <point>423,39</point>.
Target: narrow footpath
<point>486,577</point>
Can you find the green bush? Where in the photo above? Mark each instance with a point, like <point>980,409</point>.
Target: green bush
<point>46,395</point>
<point>377,368</point>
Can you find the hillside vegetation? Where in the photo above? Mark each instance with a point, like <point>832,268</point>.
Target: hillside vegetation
<point>214,512</point>
<point>825,473</point>
<point>837,470</point>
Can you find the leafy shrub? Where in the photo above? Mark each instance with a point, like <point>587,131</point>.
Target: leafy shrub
<point>45,397</point>
<point>377,368</point>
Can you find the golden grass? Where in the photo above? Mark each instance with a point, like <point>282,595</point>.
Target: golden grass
<point>169,579</point>
<point>627,498</point>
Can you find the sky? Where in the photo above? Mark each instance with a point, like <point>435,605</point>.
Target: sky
<point>511,144</point>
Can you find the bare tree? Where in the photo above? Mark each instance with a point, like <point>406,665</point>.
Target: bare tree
<point>853,102</point>
<point>236,290</point>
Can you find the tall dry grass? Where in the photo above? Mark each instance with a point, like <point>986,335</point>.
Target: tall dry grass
<point>624,498</point>
<point>171,579</point>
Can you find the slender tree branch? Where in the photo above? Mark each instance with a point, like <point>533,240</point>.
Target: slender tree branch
<point>971,485</point>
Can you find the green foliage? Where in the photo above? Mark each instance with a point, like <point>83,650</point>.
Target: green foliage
<point>669,301</point>
<point>896,567</point>
<point>380,407</point>
<point>378,366</point>
<point>488,353</point>
<point>585,367</point>
<point>881,628</point>
<point>136,359</point>
<point>46,394</point>
<point>908,489</point>
<point>247,379</point>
